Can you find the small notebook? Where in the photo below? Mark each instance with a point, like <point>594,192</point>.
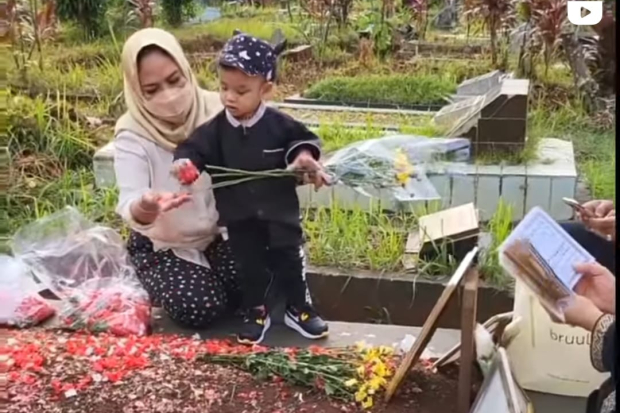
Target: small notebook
<point>555,246</point>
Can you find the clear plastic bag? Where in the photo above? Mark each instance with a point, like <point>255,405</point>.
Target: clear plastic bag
<point>397,163</point>
<point>87,267</point>
<point>64,250</point>
<point>119,309</point>
<point>20,302</point>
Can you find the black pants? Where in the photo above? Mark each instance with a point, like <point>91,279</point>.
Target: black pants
<point>191,295</point>
<point>263,261</point>
<point>602,250</point>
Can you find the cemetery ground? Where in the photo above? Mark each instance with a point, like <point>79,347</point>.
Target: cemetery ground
<point>60,372</point>
<point>62,105</point>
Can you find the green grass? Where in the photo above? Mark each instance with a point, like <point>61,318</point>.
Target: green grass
<point>499,228</point>
<point>261,26</point>
<point>395,89</point>
<point>594,143</point>
<point>336,136</point>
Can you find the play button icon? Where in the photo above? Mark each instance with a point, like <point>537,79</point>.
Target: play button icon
<point>584,13</point>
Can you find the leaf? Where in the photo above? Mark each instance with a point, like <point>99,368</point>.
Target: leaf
<point>329,389</point>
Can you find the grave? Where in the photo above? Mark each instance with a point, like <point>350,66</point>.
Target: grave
<point>543,182</point>
<point>480,85</point>
<point>495,120</point>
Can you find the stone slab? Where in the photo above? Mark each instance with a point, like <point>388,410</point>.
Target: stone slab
<point>480,85</point>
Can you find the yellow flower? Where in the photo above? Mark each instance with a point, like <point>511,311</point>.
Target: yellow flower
<point>350,382</point>
<point>361,346</point>
<point>386,351</point>
<point>380,369</point>
<point>360,371</point>
<point>404,169</point>
<point>361,394</point>
<point>377,382</point>
<point>367,404</point>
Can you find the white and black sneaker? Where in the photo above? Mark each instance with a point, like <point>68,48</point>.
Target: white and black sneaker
<point>306,322</point>
<point>255,324</point>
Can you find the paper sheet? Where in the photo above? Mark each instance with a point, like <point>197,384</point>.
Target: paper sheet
<point>559,250</point>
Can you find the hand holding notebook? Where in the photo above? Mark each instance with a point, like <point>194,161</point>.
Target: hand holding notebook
<point>542,255</point>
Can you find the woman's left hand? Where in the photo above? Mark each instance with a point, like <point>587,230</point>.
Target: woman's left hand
<point>598,285</point>
<point>313,172</point>
<point>582,312</point>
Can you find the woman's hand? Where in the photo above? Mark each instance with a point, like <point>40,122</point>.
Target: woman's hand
<point>581,312</point>
<point>598,285</point>
<point>597,208</point>
<point>151,204</point>
<point>600,217</point>
<point>313,172</point>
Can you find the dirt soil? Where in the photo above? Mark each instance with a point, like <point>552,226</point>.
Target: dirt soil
<point>171,381</point>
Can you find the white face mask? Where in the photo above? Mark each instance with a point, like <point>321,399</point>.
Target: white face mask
<point>171,105</point>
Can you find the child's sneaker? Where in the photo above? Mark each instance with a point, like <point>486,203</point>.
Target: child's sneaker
<point>306,322</point>
<point>255,325</point>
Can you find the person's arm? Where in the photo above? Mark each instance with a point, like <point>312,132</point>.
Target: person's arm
<point>200,148</point>
<point>300,139</point>
<point>603,345</point>
<point>133,179</point>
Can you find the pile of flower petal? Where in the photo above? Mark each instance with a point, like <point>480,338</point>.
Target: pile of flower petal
<point>52,371</point>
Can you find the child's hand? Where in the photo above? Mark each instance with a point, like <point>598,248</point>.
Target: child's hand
<point>313,172</point>
<point>185,171</point>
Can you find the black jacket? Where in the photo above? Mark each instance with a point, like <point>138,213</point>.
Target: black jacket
<point>271,143</point>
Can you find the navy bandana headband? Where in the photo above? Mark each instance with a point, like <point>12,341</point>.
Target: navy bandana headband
<point>251,55</point>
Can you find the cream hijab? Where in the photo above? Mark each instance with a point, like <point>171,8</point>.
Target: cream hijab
<point>137,119</point>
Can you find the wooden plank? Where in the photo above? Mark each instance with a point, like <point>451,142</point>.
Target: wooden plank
<point>469,308</point>
<point>429,327</point>
<point>450,223</point>
<point>491,325</point>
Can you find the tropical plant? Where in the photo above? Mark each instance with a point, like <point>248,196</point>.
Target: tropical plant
<point>89,15</point>
<point>418,9</point>
<point>143,10</point>
<point>175,12</point>
<point>27,26</point>
<point>547,19</point>
<point>499,16</point>
<point>125,16</point>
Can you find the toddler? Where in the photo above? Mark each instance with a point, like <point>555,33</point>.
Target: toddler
<point>262,216</point>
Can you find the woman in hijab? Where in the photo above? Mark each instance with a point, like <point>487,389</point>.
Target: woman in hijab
<point>175,243</point>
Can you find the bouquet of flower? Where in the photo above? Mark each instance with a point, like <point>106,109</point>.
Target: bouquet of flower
<point>350,166</point>
<point>120,309</point>
<point>347,374</point>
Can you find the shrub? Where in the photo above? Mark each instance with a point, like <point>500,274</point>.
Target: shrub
<point>177,11</point>
<point>89,15</point>
<point>405,90</point>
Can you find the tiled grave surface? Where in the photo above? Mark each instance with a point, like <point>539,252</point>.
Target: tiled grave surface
<point>542,183</point>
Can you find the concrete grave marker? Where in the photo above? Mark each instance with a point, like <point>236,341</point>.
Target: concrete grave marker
<point>453,114</point>
<point>480,85</point>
